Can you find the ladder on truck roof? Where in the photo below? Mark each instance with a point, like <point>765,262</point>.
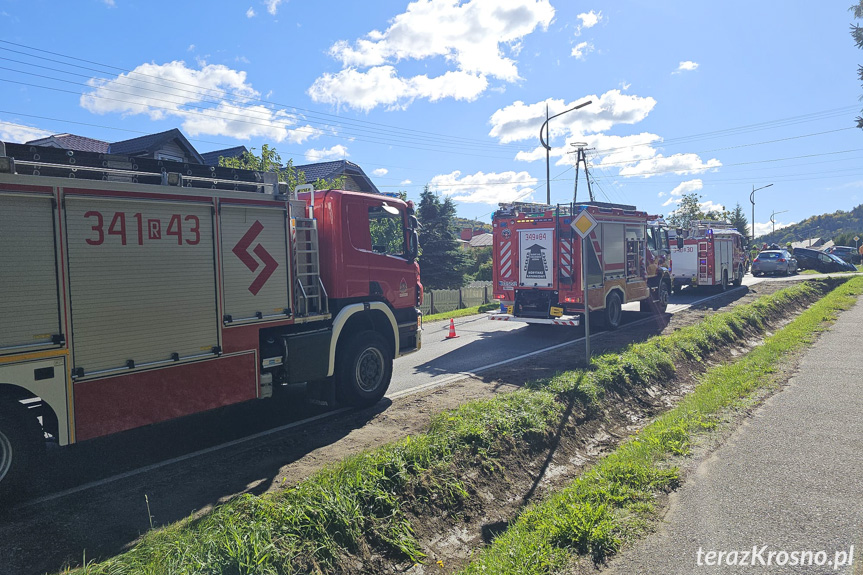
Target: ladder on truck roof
<point>310,293</point>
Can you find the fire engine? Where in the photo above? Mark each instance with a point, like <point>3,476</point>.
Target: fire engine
<point>537,256</point>
<point>711,254</point>
<point>134,291</point>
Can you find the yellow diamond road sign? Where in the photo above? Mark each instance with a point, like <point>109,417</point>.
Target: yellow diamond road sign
<point>583,223</point>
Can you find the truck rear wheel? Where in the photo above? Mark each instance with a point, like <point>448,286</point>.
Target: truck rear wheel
<point>738,281</point>
<point>613,311</point>
<point>724,285</point>
<point>660,304</point>
<point>21,444</point>
<point>364,368</point>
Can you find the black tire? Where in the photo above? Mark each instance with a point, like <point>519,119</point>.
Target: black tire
<point>658,305</point>
<point>22,444</point>
<point>613,312</point>
<point>364,367</point>
<point>738,281</point>
<point>724,285</point>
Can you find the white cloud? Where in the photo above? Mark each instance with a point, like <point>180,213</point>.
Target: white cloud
<point>767,227</point>
<point>18,133</point>
<point>679,164</point>
<point>661,195</point>
<point>687,188</point>
<point>687,66</point>
<point>380,172</point>
<point>174,90</point>
<point>625,86</point>
<point>710,206</point>
<point>520,121</point>
<point>191,48</point>
<point>109,3</point>
<point>250,13</point>
<point>273,6</point>
<point>484,188</point>
<point>466,36</point>
<point>580,49</point>
<point>337,152</point>
<point>588,20</point>
<point>405,182</point>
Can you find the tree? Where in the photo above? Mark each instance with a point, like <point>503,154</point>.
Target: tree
<point>689,209</point>
<point>271,161</point>
<point>857,34</point>
<point>442,262</point>
<point>739,221</point>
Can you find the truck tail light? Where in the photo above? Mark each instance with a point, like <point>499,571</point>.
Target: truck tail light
<point>499,296</point>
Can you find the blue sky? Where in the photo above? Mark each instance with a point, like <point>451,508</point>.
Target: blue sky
<point>713,97</point>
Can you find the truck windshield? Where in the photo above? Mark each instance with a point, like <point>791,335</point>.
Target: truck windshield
<point>387,231</point>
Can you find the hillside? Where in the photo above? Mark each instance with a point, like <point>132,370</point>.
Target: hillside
<point>840,226</point>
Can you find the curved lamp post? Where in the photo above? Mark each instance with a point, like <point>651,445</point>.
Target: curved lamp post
<point>752,199</point>
<point>772,221</point>
<point>548,148</point>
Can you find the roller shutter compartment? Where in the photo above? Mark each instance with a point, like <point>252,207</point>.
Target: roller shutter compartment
<point>142,281</point>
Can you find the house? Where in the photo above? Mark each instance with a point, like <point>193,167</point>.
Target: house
<point>481,240</point>
<point>816,243</point>
<point>71,142</point>
<point>356,179</point>
<point>172,145</point>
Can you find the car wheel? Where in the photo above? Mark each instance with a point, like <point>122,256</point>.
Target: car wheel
<point>364,369</point>
<point>613,311</point>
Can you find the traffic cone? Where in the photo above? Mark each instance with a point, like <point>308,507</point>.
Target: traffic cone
<point>451,329</point>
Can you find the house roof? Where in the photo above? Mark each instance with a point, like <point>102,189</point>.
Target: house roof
<point>72,142</point>
<point>212,158</point>
<point>808,243</point>
<point>481,240</point>
<point>334,169</point>
<point>150,143</point>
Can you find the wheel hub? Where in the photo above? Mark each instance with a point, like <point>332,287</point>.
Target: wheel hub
<point>370,369</point>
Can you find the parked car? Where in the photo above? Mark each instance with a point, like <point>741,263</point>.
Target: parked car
<point>809,259</point>
<point>847,253</point>
<point>774,262</point>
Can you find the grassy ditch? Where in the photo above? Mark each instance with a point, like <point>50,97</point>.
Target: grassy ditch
<point>461,312</point>
<point>612,501</point>
<point>358,508</point>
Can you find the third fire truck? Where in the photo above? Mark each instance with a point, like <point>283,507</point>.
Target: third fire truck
<point>711,254</point>
<point>538,262</point>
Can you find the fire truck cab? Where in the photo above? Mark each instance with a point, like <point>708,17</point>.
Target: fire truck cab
<point>538,262</point>
<point>133,291</point>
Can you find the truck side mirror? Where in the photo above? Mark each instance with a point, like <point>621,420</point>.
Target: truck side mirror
<point>413,245</point>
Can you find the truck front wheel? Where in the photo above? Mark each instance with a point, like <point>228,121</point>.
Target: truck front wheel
<point>364,369</point>
<point>21,443</point>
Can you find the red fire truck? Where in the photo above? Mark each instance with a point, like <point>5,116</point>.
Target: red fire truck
<point>711,254</point>
<point>538,262</point>
<point>134,291</point>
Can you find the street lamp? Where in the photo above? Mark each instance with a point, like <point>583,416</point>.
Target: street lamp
<point>548,148</point>
<point>752,199</point>
<point>772,221</point>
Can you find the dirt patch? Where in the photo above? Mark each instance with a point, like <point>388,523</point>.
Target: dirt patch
<point>107,519</point>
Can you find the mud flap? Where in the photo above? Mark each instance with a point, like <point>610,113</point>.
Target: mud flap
<point>322,392</point>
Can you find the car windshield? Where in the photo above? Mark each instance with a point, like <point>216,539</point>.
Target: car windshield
<point>769,256</point>
<point>834,258</point>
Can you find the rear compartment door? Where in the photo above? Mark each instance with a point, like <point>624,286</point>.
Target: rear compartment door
<point>536,258</point>
<point>29,304</point>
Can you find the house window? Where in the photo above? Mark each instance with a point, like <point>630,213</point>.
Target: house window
<point>169,157</point>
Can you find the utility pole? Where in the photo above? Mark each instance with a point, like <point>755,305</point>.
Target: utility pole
<point>581,158</point>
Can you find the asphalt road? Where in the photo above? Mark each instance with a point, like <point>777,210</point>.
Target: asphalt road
<point>790,478</point>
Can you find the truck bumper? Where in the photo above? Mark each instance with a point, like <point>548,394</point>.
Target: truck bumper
<point>567,320</point>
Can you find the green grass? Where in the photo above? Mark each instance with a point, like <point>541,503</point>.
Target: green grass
<point>460,312</point>
<point>613,501</point>
<point>360,505</point>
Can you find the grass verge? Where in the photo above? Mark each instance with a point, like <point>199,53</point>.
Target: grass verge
<point>612,501</point>
<point>357,507</point>
<point>460,312</point>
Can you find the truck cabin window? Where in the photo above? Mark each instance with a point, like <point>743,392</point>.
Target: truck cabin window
<point>387,231</point>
